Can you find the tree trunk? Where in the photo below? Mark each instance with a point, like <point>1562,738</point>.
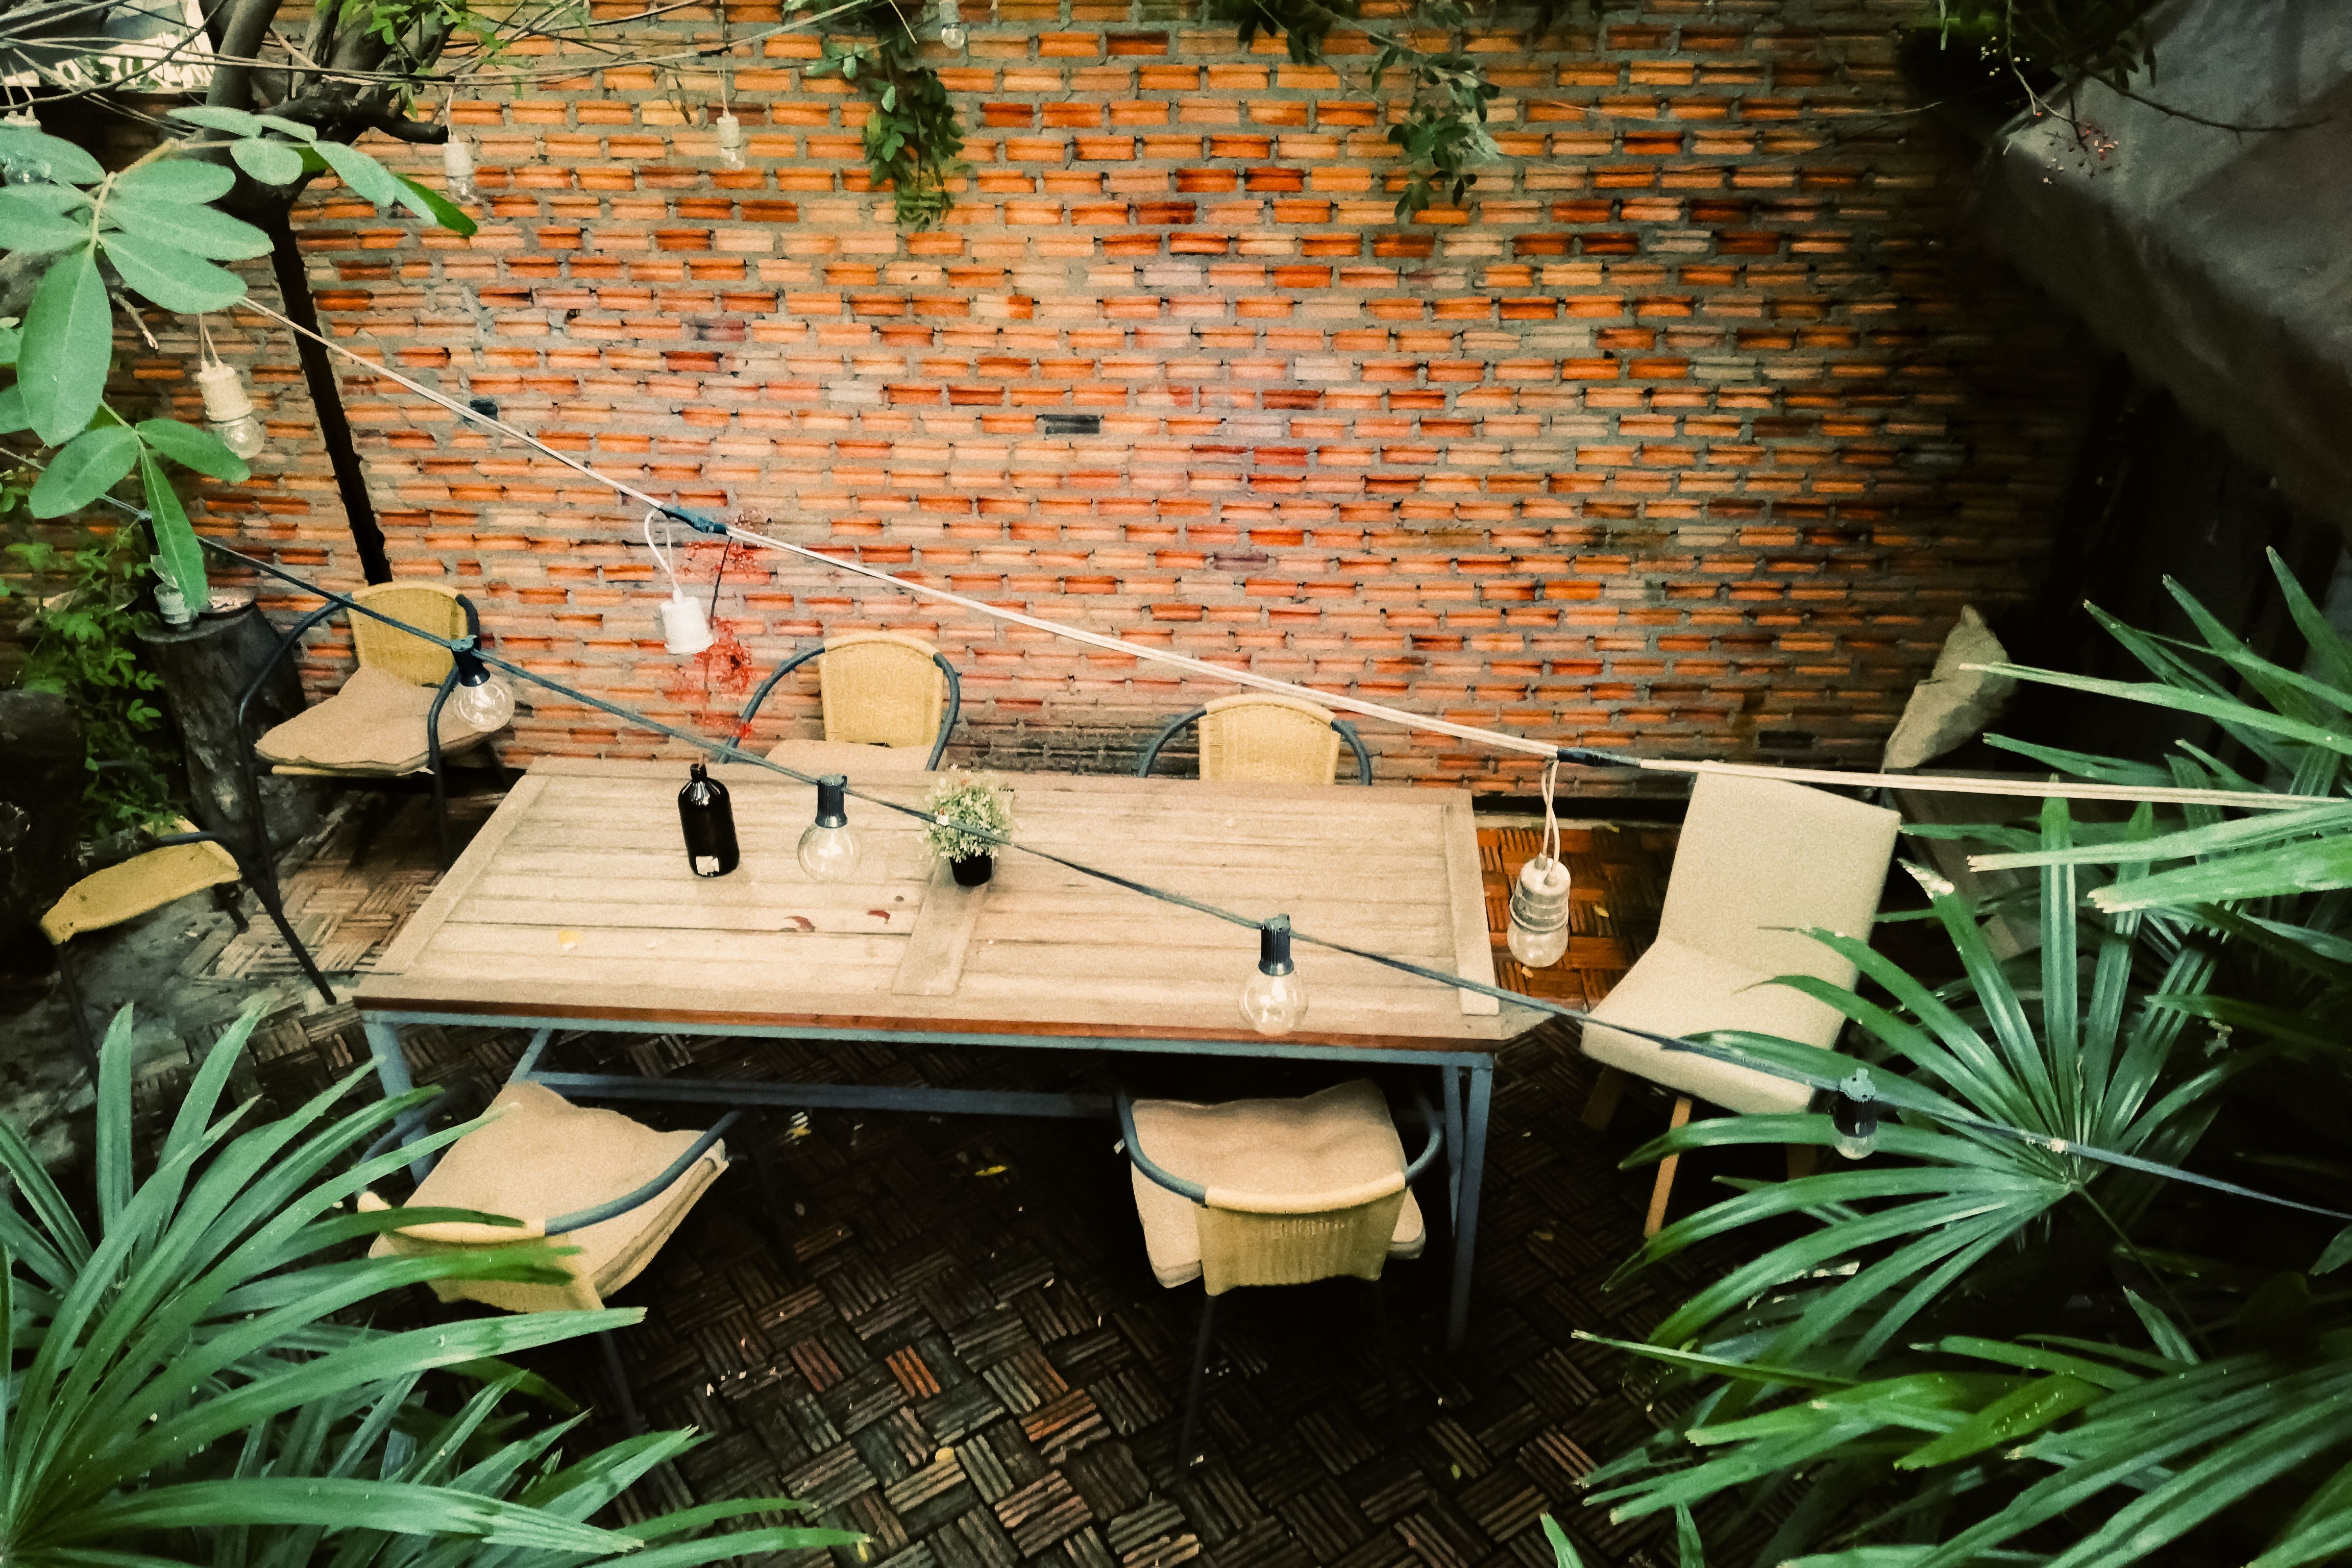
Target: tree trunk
<point>40,789</point>
<point>205,668</point>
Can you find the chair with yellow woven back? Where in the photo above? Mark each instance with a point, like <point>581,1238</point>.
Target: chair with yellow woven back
<point>1274,1191</point>
<point>172,867</point>
<point>392,718</point>
<point>889,702</point>
<point>1266,738</point>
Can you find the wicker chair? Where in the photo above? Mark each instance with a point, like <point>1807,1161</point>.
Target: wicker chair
<point>1266,738</point>
<point>1274,1191</point>
<point>588,1179</point>
<point>878,689</point>
<point>172,867</point>
<point>1759,860</point>
<point>381,724</point>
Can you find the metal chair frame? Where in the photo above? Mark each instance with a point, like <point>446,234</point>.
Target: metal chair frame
<point>263,889</point>
<point>579,1219</point>
<point>1169,732</point>
<point>1198,1194</point>
<point>946,719</point>
<point>246,755</point>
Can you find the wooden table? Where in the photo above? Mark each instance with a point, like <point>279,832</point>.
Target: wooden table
<point>573,908</point>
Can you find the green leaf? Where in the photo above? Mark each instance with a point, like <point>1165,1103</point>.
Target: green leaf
<point>426,201</point>
<point>29,226</point>
<point>337,1504</point>
<point>2337,1254</point>
<point>180,180</point>
<point>2012,1416</point>
<point>68,346</point>
<point>2169,1342</point>
<point>83,469</point>
<point>216,117</point>
<point>272,163</point>
<point>196,229</point>
<point>10,340</point>
<point>362,174</point>
<point>13,417</point>
<point>175,539</point>
<point>67,162</point>
<point>1563,1552</point>
<point>294,128</point>
<point>171,277</point>
<point>198,450</point>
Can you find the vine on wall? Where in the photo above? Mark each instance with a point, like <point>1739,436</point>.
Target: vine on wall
<point>914,138</point>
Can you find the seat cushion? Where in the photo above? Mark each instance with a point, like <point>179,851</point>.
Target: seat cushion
<point>1282,1150</point>
<point>142,883</point>
<point>850,757</point>
<point>374,725</point>
<point>1678,990</point>
<point>541,1157</point>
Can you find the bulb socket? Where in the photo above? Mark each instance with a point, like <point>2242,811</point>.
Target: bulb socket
<point>471,671</point>
<point>832,801</point>
<point>731,134</point>
<point>225,399</point>
<point>1274,947</point>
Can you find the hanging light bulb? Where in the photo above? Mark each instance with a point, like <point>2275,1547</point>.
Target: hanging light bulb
<point>482,701</point>
<point>1275,998</point>
<point>951,28</point>
<point>1855,1116</point>
<point>1540,912</point>
<point>828,849</point>
<point>458,168</point>
<point>228,409</point>
<point>731,141</point>
<point>686,629</point>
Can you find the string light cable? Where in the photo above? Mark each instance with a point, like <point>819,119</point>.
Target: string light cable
<point>1500,740</point>
<point>1894,1091</point>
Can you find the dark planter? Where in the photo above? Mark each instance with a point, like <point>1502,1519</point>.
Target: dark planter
<point>973,869</point>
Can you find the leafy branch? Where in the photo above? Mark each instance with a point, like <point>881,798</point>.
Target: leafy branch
<point>914,138</point>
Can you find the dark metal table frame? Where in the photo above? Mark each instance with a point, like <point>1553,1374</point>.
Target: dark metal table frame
<point>1466,1076</point>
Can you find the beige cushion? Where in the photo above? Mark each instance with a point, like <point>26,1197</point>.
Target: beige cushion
<point>376,724</point>
<point>142,883</point>
<point>1759,860</point>
<point>850,757</point>
<point>1953,704</point>
<point>1678,990</point>
<point>1292,1153</point>
<point>541,1157</point>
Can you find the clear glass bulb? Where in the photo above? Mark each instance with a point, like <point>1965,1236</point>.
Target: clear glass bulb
<point>1538,932</point>
<point>1274,999</point>
<point>245,436</point>
<point>951,30</point>
<point>828,854</point>
<point>1855,1116</point>
<point>828,850</point>
<point>485,704</point>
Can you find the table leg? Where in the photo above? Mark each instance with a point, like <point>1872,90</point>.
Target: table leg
<point>392,1074</point>
<point>1465,1205</point>
<point>1452,1078</point>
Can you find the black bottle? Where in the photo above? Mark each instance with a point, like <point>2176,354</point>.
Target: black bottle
<point>709,824</point>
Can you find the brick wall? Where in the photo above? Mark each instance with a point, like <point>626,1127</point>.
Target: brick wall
<point>1692,433</point>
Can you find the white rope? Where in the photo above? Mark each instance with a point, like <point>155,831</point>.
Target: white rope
<point>2170,794</point>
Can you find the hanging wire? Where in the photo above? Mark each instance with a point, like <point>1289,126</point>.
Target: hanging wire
<point>1551,818</point>
<point>1897,1092</point>
<point>1502,740</point>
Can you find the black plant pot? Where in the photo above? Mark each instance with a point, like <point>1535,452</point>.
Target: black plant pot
<point>971,870</point>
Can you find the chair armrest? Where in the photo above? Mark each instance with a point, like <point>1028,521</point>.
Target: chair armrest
<point>582,1218</point>
<point>1143,1163</point>
<point>1167,733</point>
<point>1429,1119</point>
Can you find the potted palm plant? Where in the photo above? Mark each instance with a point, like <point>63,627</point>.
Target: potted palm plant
<point>972,817</point>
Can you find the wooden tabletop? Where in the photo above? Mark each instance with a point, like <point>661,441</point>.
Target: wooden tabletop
<point>574,902</point>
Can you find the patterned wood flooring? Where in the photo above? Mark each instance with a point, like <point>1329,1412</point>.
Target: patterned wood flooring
<point>947,1336</point>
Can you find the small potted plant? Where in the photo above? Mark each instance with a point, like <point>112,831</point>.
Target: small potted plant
<point>975,816</point>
